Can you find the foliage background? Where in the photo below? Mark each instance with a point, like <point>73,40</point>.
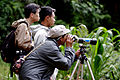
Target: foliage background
<point>100,22</point>
<point>71,12</point>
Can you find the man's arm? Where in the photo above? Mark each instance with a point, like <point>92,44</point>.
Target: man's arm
<point>52,55</point>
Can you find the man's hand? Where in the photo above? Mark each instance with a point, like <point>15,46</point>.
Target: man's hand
<point>77,53</point>
<point>69,41</point>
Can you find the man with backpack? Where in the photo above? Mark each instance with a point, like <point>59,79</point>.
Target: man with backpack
<point>22,36</point>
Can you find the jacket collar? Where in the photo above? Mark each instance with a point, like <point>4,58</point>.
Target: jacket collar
<point>53,41</point>
<point>44,27</point>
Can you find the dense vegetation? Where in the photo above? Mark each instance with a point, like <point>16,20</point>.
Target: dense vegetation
<point>75,15</point>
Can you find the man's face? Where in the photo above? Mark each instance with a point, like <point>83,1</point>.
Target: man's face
<point>51,20</point>
<point>36,16</point>
<point>63,39</point>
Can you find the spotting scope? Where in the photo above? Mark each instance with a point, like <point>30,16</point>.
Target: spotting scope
<point>84,40</point>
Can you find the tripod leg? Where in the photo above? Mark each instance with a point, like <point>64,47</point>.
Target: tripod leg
<point>90,70</point>
<point>74,69</point>
<point>82,72</point>
<point>78,73</point>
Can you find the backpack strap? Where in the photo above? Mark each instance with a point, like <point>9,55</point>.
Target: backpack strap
<point>19,24</point>
<point>11,71</point>
<point>23,22</point>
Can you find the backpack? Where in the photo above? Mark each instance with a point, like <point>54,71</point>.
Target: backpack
<point>8,49</point>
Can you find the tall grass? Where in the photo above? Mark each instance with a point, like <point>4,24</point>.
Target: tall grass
<point>103,57</point>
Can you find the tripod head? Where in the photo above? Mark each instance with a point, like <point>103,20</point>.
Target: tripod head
<point>82,52</point>
<point>82,48</point>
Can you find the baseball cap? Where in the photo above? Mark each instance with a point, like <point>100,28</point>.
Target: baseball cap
<point>58,31</point>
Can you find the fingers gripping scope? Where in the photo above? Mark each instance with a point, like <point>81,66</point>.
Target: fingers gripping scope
<point>84,40</point>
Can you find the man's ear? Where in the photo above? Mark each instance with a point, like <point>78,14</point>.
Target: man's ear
<point>61,39</point>
<point>47,18</point>
<point>31,15</point>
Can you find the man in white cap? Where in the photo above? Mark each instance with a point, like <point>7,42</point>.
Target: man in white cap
<point>40,64</point>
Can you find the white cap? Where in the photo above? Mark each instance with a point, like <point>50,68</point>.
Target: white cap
<point>58,31</point>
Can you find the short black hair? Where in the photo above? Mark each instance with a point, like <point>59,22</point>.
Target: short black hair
<point>30,8</point>
<point>46,11</point>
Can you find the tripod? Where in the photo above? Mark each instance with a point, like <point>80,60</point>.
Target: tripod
<point>81,61</point>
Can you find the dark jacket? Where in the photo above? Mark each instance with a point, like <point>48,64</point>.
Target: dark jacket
<point>41,63</point>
